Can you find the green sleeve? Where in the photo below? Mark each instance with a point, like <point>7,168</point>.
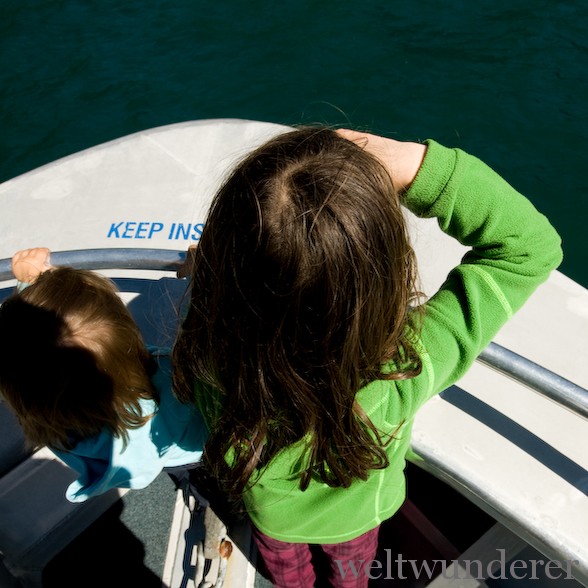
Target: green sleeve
<point>513,250</point>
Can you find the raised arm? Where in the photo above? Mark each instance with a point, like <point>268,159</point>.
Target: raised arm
<point>513,248</point>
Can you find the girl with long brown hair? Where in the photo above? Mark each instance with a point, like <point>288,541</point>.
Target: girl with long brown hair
<point>306,345</point>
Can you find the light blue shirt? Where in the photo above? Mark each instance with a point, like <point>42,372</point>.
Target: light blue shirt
<point>174,436</point>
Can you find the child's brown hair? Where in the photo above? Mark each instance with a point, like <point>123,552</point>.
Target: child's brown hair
<point>72,359</point>
<point>301,293</point>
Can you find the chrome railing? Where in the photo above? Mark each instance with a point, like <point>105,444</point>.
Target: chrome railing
<point>97,259</point>
<point>540,379</point>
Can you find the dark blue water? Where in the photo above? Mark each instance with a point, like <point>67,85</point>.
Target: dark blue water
<point>506,81</point>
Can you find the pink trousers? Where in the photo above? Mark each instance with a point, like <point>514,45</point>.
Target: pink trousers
<point>289,564</point>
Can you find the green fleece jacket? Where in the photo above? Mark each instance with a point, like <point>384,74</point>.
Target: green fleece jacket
<point>514,249</point>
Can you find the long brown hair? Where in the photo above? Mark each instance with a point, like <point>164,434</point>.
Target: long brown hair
<point>301,292</point>
<point>72,360</point>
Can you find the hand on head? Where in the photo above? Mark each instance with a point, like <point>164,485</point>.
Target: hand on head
<point>402,159</point>
<point>29,264</point>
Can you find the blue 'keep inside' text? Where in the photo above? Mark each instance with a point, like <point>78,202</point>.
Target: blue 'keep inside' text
<point>150,230</point>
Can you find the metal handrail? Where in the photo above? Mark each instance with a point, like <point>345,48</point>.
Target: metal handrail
<point>97,259</point>
<point>540,379</point>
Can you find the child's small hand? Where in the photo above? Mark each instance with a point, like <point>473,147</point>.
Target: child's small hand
<point>402,159</point>
<point>185,270</point>
<point>29,264</point>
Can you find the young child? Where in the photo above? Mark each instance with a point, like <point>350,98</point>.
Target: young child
<point>75,370</point>
<point>303,346</point>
